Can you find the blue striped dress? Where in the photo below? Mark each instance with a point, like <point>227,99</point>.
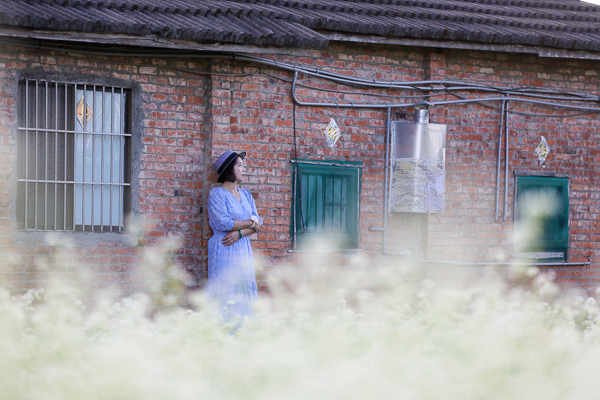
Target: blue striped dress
<point>231,276</point>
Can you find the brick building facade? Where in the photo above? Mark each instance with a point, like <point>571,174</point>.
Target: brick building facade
<point>186,109</point>
<point>189,114</point>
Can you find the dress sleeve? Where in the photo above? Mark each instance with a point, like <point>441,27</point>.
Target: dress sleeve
<point>254,212</point>
<point>218,215</point>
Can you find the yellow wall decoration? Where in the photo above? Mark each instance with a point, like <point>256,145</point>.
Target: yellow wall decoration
<point>81,114</point>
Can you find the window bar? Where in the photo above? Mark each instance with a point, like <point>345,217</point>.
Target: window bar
<point>102,164</point>
<point>121,162</point>
<point>65,162</point>
<point>26,146</point>
<point>75,182</point>
<point>35,158</point>
<point>112,129</point>
<point>46,164</point>
<point>55,155</point>
<point>83,155</point>
<point>41,129</point>
<point>93,152</point>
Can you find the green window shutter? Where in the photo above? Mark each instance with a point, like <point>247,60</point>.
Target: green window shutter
<point>327,203</point>
<point>543,202</point>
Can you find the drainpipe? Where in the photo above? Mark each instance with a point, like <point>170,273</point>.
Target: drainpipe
<point>505,216</point>
<point>388,138</point>
<point>498,162</point>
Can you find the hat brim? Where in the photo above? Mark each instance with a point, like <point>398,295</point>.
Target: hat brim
<point>231,159</point>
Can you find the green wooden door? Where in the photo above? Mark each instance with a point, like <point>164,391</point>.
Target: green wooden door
<point>327,203</point>
<point>543,203</point>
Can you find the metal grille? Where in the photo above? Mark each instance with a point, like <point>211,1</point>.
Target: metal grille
<point>73,147</point>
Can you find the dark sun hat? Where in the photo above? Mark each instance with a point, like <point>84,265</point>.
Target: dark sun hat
<point>227,158</point>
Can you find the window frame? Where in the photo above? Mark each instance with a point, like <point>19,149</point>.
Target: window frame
<point>67,126</point>
<point>353,169</point>
<point>550,253</point>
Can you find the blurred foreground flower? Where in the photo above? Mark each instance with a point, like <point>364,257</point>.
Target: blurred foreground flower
<point>326,333</point>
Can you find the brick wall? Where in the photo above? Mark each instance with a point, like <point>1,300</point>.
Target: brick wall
<point>466,228</point>
<point>170,114</point>
<point>187,119</point>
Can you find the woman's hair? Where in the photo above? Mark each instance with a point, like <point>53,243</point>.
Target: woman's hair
<point>228,174</point>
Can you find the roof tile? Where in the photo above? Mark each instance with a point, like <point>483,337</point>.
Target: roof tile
<point>568,24</point>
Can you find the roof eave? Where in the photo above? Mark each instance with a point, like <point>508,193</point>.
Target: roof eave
<point>540,51</point>
<point>158,42</point>
<point>149,41</point>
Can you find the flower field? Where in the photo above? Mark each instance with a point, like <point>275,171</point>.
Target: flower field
<point>359,334</point>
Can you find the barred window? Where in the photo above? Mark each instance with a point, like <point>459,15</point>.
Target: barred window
<point>73,157</point>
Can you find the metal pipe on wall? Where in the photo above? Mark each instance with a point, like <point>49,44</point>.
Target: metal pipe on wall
<point>414,85</point>
<point>410,85</point>
<point>433,103</point>
<point>504,216</point>
<point>386,176</point>
<point>498,161</point>
<point>535,264</point>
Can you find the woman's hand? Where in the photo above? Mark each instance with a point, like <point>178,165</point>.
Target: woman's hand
<point>257,226</point>
<point>230,238</point>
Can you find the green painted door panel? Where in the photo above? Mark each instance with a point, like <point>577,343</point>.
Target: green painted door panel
<point>543,204</point>
<point>327,203</point>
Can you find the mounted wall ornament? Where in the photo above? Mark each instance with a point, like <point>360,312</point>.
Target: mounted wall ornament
<point>542,151</point>
<point>332,133</point>
<point>83,116</point>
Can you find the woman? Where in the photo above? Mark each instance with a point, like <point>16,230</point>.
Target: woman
<point>232,217</point>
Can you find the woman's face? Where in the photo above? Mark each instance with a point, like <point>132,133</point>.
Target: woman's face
<point>239,170</point>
